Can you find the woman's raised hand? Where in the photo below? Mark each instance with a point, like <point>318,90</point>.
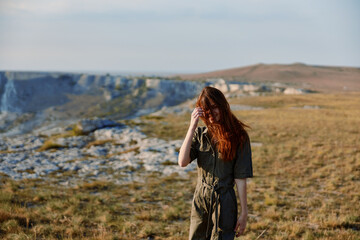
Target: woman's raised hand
<point>198,112</point>
<point>184,153</point>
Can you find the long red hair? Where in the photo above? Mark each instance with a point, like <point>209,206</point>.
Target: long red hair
<point>229,133</point>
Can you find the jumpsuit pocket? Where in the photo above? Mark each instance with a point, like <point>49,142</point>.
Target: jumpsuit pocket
<point>205,160</point>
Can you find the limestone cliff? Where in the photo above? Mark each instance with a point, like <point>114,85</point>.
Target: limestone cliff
<point>72,96</point>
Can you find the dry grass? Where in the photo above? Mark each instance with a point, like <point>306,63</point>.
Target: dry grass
<point>49,144</point>
<point>306,184</point>
<point>169,127</point>
<point>321,78</point>
<point>97,210</point>
<point>98,143</point>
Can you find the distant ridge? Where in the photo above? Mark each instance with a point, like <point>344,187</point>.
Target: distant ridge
<point>320,78</point>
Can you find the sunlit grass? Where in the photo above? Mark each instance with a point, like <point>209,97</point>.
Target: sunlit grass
<point>49,144</point>
<point>306,182</point>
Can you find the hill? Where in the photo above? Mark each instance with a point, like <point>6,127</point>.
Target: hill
<point>320,78</point>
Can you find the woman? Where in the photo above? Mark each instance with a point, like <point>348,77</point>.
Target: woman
<point>223,154</point>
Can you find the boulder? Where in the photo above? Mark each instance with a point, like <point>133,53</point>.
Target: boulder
<point>251,88</point>
<point>87,126</point>
<point>234,87</point>
<point>293,91</point>
<point>221,85</point>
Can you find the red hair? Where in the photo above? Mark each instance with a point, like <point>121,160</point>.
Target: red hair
<point>229,133</point>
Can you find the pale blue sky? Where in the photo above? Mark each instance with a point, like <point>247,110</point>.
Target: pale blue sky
<point>176,36</point>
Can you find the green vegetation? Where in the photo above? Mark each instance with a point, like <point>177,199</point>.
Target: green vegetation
<point>305,185</point>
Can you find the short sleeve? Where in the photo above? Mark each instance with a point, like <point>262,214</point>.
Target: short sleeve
<point>243,165</point>
<point>195,144</point>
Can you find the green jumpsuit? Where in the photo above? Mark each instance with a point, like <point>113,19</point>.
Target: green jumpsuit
<point>214,206</point>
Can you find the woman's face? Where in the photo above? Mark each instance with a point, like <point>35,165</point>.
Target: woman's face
<point>215,116</point>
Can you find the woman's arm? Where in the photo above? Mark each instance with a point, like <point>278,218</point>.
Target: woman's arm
<point>241,189</point>
<point>184,153</point>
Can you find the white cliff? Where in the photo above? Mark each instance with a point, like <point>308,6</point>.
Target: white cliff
<point>62,96</point>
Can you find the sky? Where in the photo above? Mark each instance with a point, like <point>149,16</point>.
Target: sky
<point>186,36</point>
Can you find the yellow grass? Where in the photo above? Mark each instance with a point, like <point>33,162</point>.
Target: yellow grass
<point>49,144</point>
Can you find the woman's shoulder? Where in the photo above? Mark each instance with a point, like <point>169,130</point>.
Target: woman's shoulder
<point>244,140</point>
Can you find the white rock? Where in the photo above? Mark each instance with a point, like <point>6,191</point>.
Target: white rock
<point>152,83</point>
<point>139,152</point>
<point>290,90</point>
<point>75,141</point>
<point>97,151</point>
<point>90,125</point>
<point>250,88</point>
<point>311,107</point>
<point>238,107</point>
<point>234,87</point>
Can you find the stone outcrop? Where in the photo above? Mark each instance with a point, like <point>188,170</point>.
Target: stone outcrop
<point>85,126</point>
<point>32,92</point>
<point>113,153</point>
<point>291,91</point>
<point>73,96</point>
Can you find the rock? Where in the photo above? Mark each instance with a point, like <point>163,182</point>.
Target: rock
<point>125,135</point>
<point>185,107</point>
<point>307,107</point>
<point>311,107</point>
<point>125,164</point>
<point>13,159</point>
<point>291,90</point>
<point>250,88</point>
<point>253,88</point>
<point>256,144</point>
<point>234,87</point>
<point>86,126</point>
<point>65,155</point>
<point>69,167</point>
<point>128,151</point>
<point>26,142</point>
<point>279,90</point>
<point>152,83</point>
<point>97,151</point>
<point>237,94</point>
<point>221,85</point>
<point>237,107</point>
<point>54,127</point>
<point>45,168</point>
<point>75,141</point>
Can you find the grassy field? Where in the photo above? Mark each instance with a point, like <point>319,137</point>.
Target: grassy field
<point>306,182</point>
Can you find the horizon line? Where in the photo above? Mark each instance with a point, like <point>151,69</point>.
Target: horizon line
<point>163,72</point>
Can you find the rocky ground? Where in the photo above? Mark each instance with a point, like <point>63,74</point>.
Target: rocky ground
<point>93,149</point>
<point>118,153</point>
<point>69,150</point>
